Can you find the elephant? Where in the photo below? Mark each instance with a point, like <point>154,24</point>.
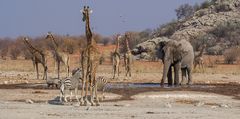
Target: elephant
<point>177,54</point>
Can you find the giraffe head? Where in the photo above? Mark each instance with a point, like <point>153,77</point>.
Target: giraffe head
<point>49,35</point>
<point>118,37</point>
<point>25,38</point>
<point>86,11</point>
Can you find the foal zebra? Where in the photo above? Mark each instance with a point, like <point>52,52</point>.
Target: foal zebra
<point>101,84</point>
<point>70,83</point>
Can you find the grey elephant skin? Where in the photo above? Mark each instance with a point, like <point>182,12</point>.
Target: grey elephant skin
<point>177,54</point>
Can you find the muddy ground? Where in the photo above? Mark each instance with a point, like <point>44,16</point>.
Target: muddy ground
<point>213,96</point>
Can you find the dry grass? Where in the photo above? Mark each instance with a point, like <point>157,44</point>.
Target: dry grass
<point>143,71</point>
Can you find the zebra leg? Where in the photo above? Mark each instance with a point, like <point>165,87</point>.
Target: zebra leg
<point>76,94</point>
<point>70,96</point>
<point>103,92</point>
<point>65,97</point>
<point>60,97</point>
<point>61,93</point>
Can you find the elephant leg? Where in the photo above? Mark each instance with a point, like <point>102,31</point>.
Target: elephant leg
<point>166,70</point>
<point>177,68</point>
<point>189,71</point>
<point>170,78</point>
<point>183,76</point>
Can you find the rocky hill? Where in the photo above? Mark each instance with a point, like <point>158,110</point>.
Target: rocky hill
<point>201,25</point>
<point>209,18</point>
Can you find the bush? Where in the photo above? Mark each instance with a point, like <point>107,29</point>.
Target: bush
<point>223,29</point>
<point>4,53</point>
<point>222,7</point>
<point>207,4</point>
<point>184,11</point>
<point>14,51</point>
<point>231,55</point>
<point>167,30</point>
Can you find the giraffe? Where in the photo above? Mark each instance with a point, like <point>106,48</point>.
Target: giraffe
<point>37,57</point>
<point>116,57</point>
<point>89,62</point>
<point>58,55</point>
<point>127,57</point>
<point>198,60</point>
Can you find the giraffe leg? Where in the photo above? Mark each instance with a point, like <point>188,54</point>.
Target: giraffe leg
<point>130,71</point>
<point>86,93</point>
<point>68,67</point>
<point>92,80</point>
<point>55,66</point>
<point>91,94</point>
<point>114,71</point>
<point>118,69</point>
<point>96,93</point>
<point>82,92</point>
<point>37,70</point>
<point>203,68</point>
<point>58,68</point>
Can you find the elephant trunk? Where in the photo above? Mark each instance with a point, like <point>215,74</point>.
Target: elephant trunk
<point>166,67</point>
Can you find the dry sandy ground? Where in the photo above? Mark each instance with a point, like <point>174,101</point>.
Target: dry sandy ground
<point>150,105</point>
<point>220,102</point>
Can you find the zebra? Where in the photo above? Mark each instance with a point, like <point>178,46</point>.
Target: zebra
<point>102,83</point>
<point>70,83</point>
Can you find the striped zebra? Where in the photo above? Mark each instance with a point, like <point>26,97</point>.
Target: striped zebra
<point>100,84</point>
<point>70,83</point>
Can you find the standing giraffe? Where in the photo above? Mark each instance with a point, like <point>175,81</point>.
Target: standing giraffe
<point>37,57</point>
<point>89,62</point>
<point>58,55</point>
<point>116,58</point>
<point>198,60</point>
<point>127,57</point>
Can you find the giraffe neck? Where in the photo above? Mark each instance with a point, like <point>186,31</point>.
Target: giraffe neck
<point>127,44</point>
<point>117,46</point>
<point>31,48</point>
<point>55,47</point>
<point>88,31</point>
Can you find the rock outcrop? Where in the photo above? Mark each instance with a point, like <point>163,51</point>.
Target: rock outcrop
<point>207,19</point>
<point>201,23</point>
